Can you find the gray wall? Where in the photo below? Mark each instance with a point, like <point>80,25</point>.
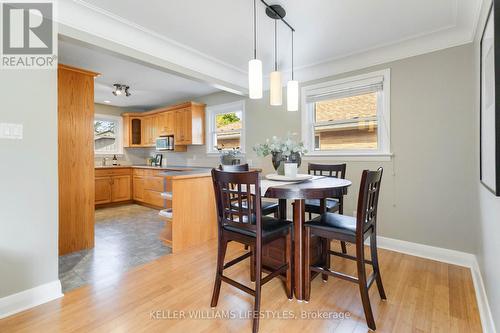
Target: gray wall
<point>488,221</point>
<point>28,178</point>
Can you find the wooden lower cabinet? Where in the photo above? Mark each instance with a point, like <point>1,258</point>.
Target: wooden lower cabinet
<point>121,188</point>
<point>102,190</point>
<point>125,184</point>
<point>113,185</point>
<point>138,188</point>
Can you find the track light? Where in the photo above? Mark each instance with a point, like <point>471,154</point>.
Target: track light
<point>121,89</point>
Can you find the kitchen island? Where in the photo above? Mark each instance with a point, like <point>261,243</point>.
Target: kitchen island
<point>191,220</point>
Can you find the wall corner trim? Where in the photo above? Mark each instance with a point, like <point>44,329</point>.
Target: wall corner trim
<point>451,257</point>
<point>29,298</point>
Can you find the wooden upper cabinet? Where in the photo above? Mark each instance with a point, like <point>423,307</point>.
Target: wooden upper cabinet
<point>186,122</point>
<point>182,128</point>
<point>166,123</point>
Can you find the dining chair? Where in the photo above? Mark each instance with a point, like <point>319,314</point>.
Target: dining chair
<point>332,226</point>
<point>312,206</point>
<point>247,225</point>
<point>268,207</point>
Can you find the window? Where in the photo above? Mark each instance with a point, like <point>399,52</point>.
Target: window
<point>226,127</point>
<point>348,117</point>
<point>108,135</point>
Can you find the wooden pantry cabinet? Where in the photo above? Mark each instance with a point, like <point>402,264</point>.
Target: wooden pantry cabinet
<point>75,116</point>
<point>185,122</point>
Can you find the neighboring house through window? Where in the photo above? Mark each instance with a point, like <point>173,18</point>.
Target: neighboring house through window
<point>108,137</point>
<point>348,117</point>
<point>226,127</point>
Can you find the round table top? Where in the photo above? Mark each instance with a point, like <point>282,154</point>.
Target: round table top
<point>318,188</point>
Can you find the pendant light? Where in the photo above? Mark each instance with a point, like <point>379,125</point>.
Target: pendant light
<point>255,65</point>
<point>292,90</point>
<point>275,87</point>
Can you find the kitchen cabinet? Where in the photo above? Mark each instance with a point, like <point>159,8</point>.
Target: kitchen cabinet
<point>102,190</point>
<point>121,188</point>
<point>186,122</point>
<point>113,185</point>
<point>166,123</point>
<point>138,187</point>
<point>148,187</point>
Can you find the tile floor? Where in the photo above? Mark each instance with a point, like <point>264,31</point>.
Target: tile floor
<point>125,236</point>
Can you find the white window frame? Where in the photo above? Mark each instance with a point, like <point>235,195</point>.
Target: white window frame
<point>383,151</point>
<point>119,134</point>
<point>212,112</point>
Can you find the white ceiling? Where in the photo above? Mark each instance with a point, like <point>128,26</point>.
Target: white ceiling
<point>149,87</point>
<point>326,29</point>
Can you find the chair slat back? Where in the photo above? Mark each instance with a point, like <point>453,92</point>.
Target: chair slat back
<point>369,190</point>
<point>329,170</point>
<point>237,196</point>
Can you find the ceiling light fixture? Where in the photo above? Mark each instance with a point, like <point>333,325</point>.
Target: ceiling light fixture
<point>276,12</point>
<point>255,65</point>
<point>275,87</point>
<point>121,89</point>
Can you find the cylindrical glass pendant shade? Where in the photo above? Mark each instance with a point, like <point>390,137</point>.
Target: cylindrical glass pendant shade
<point>292,95</point>
<point>255,79</point>
<point>275,89</point>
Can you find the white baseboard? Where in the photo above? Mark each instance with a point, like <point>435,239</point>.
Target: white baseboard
<point>426,251</point>
<point>26,299</point>
<point>451,257</point>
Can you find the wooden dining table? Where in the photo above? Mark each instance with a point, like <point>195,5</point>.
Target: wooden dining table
<point>319,187</point>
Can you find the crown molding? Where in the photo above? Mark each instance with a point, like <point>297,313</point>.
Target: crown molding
<point>81,21</point>
<point>123,36</point>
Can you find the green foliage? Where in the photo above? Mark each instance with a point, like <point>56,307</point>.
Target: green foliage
<point>285,146</point>
<point>226,119</point>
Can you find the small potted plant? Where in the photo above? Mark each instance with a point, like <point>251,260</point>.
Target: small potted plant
<point>229,156</point>
<point>282,151</point>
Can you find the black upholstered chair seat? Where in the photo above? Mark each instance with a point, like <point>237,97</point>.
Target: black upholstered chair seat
<point>268,207</point>
<point>334,222</point>
<point>270,227</point>
<point>312,205</point>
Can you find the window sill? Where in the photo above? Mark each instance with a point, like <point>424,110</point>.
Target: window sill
<point>382,157</point>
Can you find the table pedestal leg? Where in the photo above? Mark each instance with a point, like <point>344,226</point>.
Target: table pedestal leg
<point>282,208</point>
<point>298,255</point>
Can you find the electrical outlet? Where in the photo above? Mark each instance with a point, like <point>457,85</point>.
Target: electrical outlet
<point>250,162</point>
<point>11,131</point>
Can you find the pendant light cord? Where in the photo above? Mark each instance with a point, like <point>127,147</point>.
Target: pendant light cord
<point>292,55</point>
<point>275,45</point>
<point>254,29</point>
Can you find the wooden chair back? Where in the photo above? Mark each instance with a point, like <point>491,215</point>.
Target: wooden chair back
<point>238,187</point>
<point>369,190</point>
<point>329,170</point>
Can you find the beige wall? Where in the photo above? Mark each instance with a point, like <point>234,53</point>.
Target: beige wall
<point>488,221</point>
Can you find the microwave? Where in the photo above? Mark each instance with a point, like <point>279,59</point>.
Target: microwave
<point>165,143</point>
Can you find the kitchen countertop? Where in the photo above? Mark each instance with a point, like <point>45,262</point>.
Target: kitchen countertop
<point>173,171</point>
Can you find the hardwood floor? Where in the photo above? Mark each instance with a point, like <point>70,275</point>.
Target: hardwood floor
<point>423,296</point>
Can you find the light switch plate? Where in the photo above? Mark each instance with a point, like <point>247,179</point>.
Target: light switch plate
<point>11,131</point>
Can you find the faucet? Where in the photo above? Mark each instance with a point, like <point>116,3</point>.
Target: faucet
<point>104,160</point>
